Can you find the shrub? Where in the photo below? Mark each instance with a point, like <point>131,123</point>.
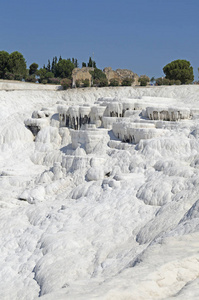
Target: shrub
<point>127,81</point>
<point>114,82</point>
<point>96,82</point>
<point>144,80</point>
<point>18,77</point>
<point>159,81</point>
<point>103,82</point>
<point>177,82</point>
<point>9,76</point>
<point>31,78</point>
<point>165,81</point>
<point>77,83</point>
<point>54,80</point>
<point>66,83</point>
<point>86,82</point>
<point>44,81</point>
<point>172,82</point>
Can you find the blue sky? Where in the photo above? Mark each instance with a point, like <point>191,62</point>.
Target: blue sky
<point>139,35</point>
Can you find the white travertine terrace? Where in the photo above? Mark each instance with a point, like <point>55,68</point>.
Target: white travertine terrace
<point>134,132</point>
<point>168,113</point>
<point>87,215</point>
<point>91,139</point>
<point>130,119</point>
<point>35,125</point>
<point>96,115</point>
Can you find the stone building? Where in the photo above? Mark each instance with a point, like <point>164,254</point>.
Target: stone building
<point>121,74</point>
<point>81,75</point>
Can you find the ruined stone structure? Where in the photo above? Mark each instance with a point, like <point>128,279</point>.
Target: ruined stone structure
<point>121,74</point>
<point>81,75</point>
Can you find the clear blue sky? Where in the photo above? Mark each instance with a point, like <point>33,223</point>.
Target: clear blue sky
<point>140,35</point>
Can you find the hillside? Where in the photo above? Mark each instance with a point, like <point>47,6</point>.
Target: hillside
<point>87,215</point>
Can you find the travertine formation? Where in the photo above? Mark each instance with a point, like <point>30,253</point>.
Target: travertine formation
<point>167,113</point>
<point>114,208</point>
<point>129,119</point>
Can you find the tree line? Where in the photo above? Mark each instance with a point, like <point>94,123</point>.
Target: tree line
<point>59,71</point>
<point>13,67</point>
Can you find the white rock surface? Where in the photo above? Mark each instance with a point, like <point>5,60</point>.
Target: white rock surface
<point>84,215</point>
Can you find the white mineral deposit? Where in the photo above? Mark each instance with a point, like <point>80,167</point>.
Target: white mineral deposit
<point>99,193</point>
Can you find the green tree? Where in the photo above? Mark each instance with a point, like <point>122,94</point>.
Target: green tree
<point>33,68</point>
<point>17,64</point>
<point>143,80</point>
<point>91,63</point>
<point>54,66</point>
<point>75,63</point>
<point>114,82</point>
<point>42,74</point>
<point>103,82</point>
<point>127,81</point>
<point>97,74</point>
<point>48,68</point>
<point>97,77</point>
<point>83,64</point>
<point>64,68</point>
<point>49,75</point>
<point>4,56</point>
<point>179,70</point>
<point>152,80</point>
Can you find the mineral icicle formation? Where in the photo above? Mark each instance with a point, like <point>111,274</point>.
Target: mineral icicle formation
<point>129,119</point>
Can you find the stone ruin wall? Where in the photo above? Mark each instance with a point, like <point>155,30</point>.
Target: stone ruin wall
<point>119,74</point>
<point>81,75</point>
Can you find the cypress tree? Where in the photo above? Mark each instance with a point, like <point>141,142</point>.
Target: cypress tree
<point>48,66</point>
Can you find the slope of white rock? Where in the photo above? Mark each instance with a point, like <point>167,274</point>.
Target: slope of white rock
<point>106,210</point>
